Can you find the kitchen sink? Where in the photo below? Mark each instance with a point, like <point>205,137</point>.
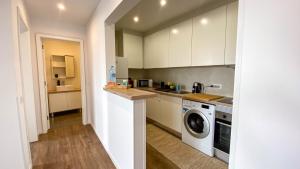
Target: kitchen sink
<point>64,88</point>
<point>163,90</point>
<point>181,92</point>
<point>171,91</point>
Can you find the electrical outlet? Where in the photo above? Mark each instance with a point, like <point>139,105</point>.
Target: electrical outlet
<point>216,86</point>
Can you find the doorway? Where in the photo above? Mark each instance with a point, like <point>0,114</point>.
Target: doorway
<point>62,81</point>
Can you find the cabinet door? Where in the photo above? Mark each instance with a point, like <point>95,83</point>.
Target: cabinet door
<point>148,52</point>
<point>70,66</point>
<point>133,50</point>
<point>208,42</point>
<point>171,112</point>
<point>157,49</point>
<point>231,33</point>
<point>181,44</point>
<point>73,100</point>
<point>153,108</point>
<point>57,102</point>
<point>161,48</point>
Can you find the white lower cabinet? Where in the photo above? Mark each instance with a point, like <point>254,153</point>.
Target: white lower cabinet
<point>64,101</point>
<point>166,110</point>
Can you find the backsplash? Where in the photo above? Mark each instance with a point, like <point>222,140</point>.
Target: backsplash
<point>188,75</point>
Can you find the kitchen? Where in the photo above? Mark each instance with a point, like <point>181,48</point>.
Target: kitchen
<point>180,56</point>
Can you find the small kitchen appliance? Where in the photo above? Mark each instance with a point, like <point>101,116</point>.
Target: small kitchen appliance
<point>198,87</point>
<point>144,83</point>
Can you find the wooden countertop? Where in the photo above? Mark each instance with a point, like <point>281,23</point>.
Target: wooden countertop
<point>131,94</point>
<point>201,97</point>
<point>198,97</point>
<point>55,91</point>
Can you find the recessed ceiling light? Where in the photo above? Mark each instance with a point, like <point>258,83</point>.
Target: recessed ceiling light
<point>175,31</point>
<point>204,21</point>
<point>61,6</point>
<point>163,2</point>
<point>136,19</point>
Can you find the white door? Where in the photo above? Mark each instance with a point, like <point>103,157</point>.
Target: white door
<point>231,33</point>
<point>20,98</point>
<point>29,101</point>
<point>43,85</point>
<point>208,42</point>
<point>181,44</point>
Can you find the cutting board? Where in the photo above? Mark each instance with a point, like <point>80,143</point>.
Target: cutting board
<point>201,97</point>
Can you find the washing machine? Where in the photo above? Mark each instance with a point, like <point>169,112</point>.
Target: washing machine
<point>198,126</point>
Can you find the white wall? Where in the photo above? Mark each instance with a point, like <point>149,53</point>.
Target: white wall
<point>101,55</point>
<point>267,111</point>
<point>14,150</point>
<point>56,29</point>
<point>96,68</point>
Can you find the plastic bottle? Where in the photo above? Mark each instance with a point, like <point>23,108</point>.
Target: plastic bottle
<point>112,74</point>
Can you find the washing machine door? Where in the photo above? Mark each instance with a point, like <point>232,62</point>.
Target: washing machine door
<point>196,123</point>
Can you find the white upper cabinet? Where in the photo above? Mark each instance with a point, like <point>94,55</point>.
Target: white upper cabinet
<point>133,50</point>
<point>157,50</point>
<point>208,42</point>
<point>180,44</point>
<point>231,33</point>
<point>148,52</point>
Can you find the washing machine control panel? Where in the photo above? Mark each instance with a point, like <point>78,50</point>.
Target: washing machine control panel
<point>188,104</point>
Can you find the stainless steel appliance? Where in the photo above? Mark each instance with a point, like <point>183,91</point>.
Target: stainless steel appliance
<point>223,129</point>
<point>144,83</point>
<point>198,87</point>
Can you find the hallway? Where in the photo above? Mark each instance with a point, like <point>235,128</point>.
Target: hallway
<point>72,146</point>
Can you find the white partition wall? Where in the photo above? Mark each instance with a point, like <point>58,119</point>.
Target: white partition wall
<point>126,129</point>
<point>266,113</point>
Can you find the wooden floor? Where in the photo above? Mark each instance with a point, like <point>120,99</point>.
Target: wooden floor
<point>178,154</point>
<point>71,145</point>
<point>67,118</point>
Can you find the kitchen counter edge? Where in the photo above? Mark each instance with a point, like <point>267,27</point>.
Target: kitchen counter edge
<point>131,93</point>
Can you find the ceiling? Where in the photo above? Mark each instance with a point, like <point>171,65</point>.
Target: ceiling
<point>151,14</point>
<point>77,12</point>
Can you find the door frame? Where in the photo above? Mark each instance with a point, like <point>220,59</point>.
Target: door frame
<point>26,118</point>
<point>43,82</point>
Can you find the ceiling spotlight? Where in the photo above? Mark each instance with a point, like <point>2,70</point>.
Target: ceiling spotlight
<point>163,2</point>
<point>61,6</point>
<point>204,21</point>
<point>136,19</point>
<point>175,31</point>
